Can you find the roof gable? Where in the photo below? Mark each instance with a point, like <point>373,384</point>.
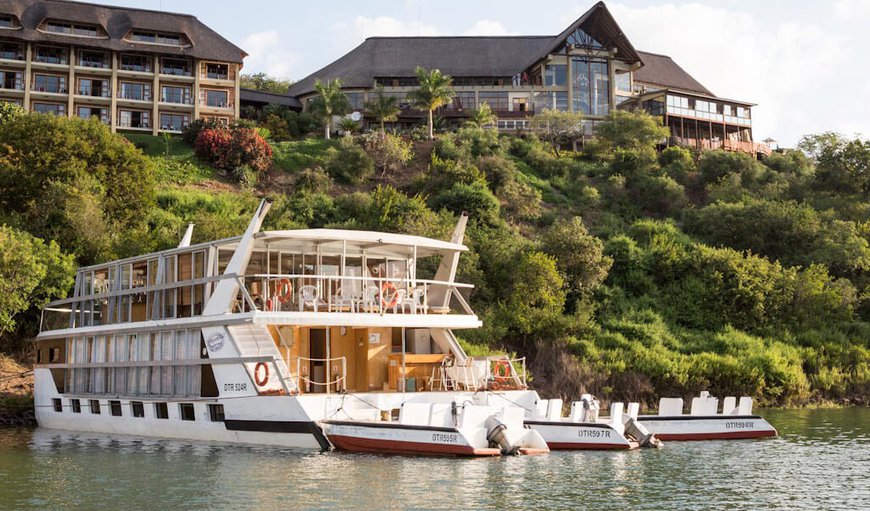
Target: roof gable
<point>596,28</point>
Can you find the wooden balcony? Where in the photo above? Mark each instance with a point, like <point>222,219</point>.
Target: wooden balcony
<point>726,145</point>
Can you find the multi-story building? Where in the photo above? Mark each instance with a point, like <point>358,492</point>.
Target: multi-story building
<point>591,67</point>
<point>134,69</point>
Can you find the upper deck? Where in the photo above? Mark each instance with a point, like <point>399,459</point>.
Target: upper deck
<point>302,277</point>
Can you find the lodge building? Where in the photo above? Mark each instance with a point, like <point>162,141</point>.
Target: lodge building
<point>134,69</point>
<point>591,67</point>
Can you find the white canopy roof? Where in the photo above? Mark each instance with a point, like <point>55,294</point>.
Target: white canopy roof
<point>336,238</point>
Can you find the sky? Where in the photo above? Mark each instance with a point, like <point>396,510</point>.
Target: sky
<point>802,61</point>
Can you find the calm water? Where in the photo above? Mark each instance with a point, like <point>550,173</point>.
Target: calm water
<point>820,461</point>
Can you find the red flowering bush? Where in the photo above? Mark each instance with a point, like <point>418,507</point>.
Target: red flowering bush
<point>230,149</point>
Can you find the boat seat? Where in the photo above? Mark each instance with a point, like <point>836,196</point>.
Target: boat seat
<point>745,406</point>
<point>554,409</point>
<point>670,406</point>
<point>415,414</point>
<point>704,405</point>
<point>729,406</point>
<point>441,415</point>
<point>513,416</point>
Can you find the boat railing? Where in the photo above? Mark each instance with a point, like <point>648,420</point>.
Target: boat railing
<point>504,373</point>
<point>334,293</point>
<point>335,374</point>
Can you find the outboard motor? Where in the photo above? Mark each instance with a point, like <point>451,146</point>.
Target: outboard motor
<point>636,430</point>
<point>496,434</point>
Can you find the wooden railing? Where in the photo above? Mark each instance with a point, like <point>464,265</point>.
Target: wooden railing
<point>727,145</point>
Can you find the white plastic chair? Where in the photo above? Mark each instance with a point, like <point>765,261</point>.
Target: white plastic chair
<point>309,297</point>
<point>369,300</point>
<point>413,301</point>
<point>342,301</point>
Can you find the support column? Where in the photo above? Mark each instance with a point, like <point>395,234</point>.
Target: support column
<point>237,100</point>
<point>28,79</point>
<point>194,94</point>
<point>155,97</point>
<point>113,91</point>
<point>570,70</point>
<point>71,84</point>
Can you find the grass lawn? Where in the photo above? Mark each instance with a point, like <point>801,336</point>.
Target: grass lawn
<point>295,155</point>
<point>181,166</point>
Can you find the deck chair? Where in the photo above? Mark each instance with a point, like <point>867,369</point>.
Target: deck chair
<point>309,298</point>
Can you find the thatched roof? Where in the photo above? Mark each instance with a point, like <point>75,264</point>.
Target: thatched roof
<point>662,71</point>
<point>116,23</point>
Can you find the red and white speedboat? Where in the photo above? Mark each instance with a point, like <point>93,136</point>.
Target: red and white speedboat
<point>705,421</point>
<point>583,429</point>
<point>439,429</point>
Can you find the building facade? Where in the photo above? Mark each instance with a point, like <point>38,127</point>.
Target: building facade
<point>591,68</point>
<point>134,69</point>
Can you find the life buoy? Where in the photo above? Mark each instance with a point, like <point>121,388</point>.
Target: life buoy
<point>395,298</point>
<point>260,382</point>
<point>284,292</point>
<point>502,371</point>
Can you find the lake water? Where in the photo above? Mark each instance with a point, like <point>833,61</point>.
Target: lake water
<point>821,460</point>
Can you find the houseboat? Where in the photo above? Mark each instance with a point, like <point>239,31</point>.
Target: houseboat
<point>308,338</point>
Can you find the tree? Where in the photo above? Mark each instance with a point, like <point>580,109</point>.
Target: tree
<point>558,128</point>
<point>433,92</point>
<point>579,256</point>
<point>265,83</point>
<point>57,173</point>
<point>389,151</point>
<point>32,272</point>
<point>482,116</point>
<point>332,101</point>
<point>842,165</point>
<point>348,126</point>
<point>383,108</point>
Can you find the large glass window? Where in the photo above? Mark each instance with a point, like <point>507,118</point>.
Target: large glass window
<point>51,54</point>
<point>6,21</point>
<point>96,59</point>
<point>551,101</point>
<point>86,112</point>
<point>91,87</point>
<point>582,38</point>
<point>11,80</point>
<point>217,98</point>
<point>623,81</point>
<point>498,101</point>
<point>135,91</point>
<point>217,71</point>
<point>60,27</point>
<point>465,101</point>
<point>49,83</point>
<point>176,67</point>
<point>49,108</point>
<point>132,62</point>
<point>134,119</point>
<point>11,51</point>
<point>356,100</point>
<point>591,83</point>
<point>173,122</point>
<point>555,75</point>
<point>174,94</point>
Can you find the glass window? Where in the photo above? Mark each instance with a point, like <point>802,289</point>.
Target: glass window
<point>581,38</point>
<point>132,62</point>
<point>176,67</point>
<point>551,101</point>
<point>95,88</point>
<point>11,51</point>
<point>6,21</point>
<point>556,75</point>
<point>217,71</point>
<point>464,100</point>
<point>161,410</point>
<point>51,54</point>
<point>217,98</point>
<point>591,86</point>
<point>11,80</point>
<point>60,27</point>
<point>356,100</point>
<point>174,94</point>
<point>134,119</point>
<point>186,411</point>
<point>96,59</point>
<point>497,101</point>
<point>623,81</point>
<point>173,122</point>
<point>86,112</point>
<point>135,91</point>
<point>49,108</point>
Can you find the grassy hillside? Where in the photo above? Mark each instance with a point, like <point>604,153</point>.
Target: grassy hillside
<point>617,269</point>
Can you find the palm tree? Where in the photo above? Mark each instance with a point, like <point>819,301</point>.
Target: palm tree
<point>383,108</point>
<point>482,116</point>
<point>348,126</point>
<point>434,92</point>
<point>332,101</point>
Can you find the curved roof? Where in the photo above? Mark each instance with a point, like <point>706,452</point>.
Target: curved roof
<point>118,22</point>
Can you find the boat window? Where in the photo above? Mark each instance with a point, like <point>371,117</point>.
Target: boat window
<point>186,411</point>
<point>216,413</point>
<point>115,407</point>
<point>53,355</point>
<point>95,406</point>
<point>76,405</point>
<point>58,406</point>
<point>161,410</point>
<point>138,408</point>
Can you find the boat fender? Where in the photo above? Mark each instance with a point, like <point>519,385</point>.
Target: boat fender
<point>261,381</point>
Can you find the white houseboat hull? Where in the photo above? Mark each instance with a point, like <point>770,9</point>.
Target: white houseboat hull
<point>716,427</point>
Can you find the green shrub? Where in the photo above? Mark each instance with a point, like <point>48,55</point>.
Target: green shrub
<point>348,163</point>
<point>474,198</point>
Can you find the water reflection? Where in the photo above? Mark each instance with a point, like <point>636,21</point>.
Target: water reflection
<point>820,461</point>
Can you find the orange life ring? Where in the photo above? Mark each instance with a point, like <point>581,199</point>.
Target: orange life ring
<point>257,380</point>
<point>284,292</point>
<point>502,371</point>
<point>392,303</point>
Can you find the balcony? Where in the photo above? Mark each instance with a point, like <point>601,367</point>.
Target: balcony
<point>349,294</point>
<point>177,98</point>
<point>15,84</point>
<point>726,145</point>
<point>134,95</point>
<point>50,89</point>
<point>94,92</point>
